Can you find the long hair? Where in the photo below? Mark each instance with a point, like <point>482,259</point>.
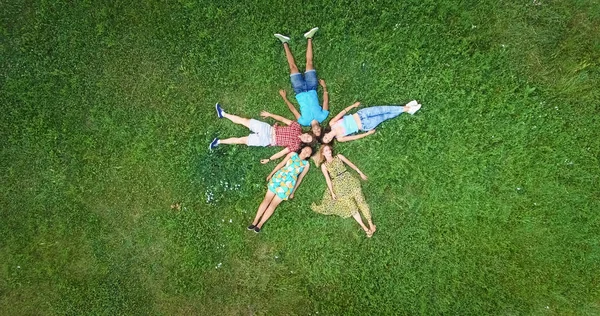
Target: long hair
<point>303,145</point>
<point>324,131</point>
<point>318,157</point>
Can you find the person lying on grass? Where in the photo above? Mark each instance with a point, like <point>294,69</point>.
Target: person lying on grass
<point>305,87</point>
<point>283,182</point>
<point>363,120</point>
<point>289,136</point>
<point>343,196</point>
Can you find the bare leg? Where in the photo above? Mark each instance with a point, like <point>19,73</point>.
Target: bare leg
<point>237,120</point>
<point>360,222</point>
<point>309,55</point>
<point>263,206</point>
<point>234,141</point>
<point>290,59</point>
<point>270,209</point>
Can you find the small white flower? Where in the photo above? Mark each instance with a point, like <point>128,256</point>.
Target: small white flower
<point>18,267</point>
<point>473,26</point>
<point>230,220</point>
<point>518,189</point>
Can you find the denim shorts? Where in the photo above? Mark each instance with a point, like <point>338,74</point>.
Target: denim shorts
<point>261,134</point>
<point>302,84</point>
<point>372,116</point>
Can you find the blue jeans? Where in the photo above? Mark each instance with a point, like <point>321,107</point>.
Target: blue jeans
<point>372,116</point>
<point>303,84</point>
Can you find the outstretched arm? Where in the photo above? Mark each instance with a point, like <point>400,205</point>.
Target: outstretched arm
<point>299,180</point>
<point>328,180</point>
<point>276,117</point>
<point>355,137</point>
<point>283,94</point>
<point>344,112</point>
<point>275,156</point>
<point>325,95</point>
<point>349,163</point>
<point>279,166</point>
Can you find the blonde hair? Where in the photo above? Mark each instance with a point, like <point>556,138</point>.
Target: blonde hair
<point>318,157</point>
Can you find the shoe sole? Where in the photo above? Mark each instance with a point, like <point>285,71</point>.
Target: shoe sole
<point>218,112</point>
<point>210,146</point>
<point>307,34</point>
<point>282,37</point>
<point>411,112</point>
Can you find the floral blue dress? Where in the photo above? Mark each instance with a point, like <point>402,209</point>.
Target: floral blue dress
<point>283,181</point>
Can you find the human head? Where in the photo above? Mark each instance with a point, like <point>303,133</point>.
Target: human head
<point>325,151</point>
<point>305,152</point>
<point>328,137</point>
<point>315,128</point>
<point>308,138</point>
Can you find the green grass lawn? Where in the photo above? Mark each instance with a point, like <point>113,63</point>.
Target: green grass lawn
<point>486,200</point>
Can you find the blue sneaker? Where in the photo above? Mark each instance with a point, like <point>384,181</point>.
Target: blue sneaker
<point>220,111</point>
<point>213,144</point>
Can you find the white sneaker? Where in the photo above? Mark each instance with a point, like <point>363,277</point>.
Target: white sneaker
<point>284,39</point>
<point>412,103</point>
<point>312,32</point>
<point>413,109</point>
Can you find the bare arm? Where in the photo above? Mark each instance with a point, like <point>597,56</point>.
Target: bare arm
<point>299,180</point>
<point>349,163</point>
<point>277,117</point>
<point>275,156</point>
<point>325,95</point>
<point>328,180</point>
<point>279,166</point>
<point>283,94</point>
<point>342,113</point>
<point>355,137</point>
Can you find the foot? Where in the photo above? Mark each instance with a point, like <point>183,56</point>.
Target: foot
<point>251,227</point>
<point>413,109</point>
<point>311,33</point>
<point>213,144</point>
<point>220,111</point>
<point>284,39</point>
<point>373,228</point>
<point>369,233</point>
<point>256,229</point>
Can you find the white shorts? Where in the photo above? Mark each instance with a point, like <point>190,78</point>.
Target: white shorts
<point>261,134</point>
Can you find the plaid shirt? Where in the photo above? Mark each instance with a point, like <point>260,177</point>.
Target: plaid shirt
<point>287,136</point>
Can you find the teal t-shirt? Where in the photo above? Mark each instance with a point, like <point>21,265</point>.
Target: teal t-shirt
<point>310,108</point>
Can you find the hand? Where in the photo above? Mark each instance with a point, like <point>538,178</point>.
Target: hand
<point>291,196</point>
<point>363,176</point>
<point>282,93</point>
<point>269,178</point>
<point>371,132</point>
<point>333,197</point>
<point>264,161</point>
<point>355,105</point>
<point>265,114</point>
<point>322,83</point>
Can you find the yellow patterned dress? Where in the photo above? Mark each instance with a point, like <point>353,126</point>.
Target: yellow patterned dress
<point>349,197</point>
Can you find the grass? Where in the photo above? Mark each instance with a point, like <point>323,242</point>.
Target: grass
<point>486,201</point>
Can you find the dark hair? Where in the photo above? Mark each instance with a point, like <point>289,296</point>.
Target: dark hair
<point>324,131</point>
<point>304,145</point>
<point>313,142</point>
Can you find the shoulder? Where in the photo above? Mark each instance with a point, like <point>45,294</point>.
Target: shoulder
<point>303,120</point>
